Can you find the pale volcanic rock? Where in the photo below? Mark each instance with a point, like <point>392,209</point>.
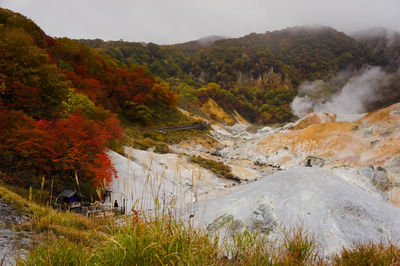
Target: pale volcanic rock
<point>395,196</point>
<point>337,212</point>
<point>371,140</point>
<point>314,118</point>
<point>145,177</point>
<point>245,173</point>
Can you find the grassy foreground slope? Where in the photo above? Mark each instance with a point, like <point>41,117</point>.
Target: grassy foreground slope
<point>71,239</point>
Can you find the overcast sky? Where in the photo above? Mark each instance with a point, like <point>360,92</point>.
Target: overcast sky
<point>174,21</point>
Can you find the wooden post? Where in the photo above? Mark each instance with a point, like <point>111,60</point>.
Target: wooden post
<point>51,191</point>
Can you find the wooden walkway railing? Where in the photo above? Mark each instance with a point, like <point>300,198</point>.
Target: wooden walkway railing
<point>195,125</point>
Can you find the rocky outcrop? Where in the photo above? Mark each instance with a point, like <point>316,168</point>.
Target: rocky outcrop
<point>217,113</point>
<point>268,79</point>
<point>311,161</point>
<point>378,177</point>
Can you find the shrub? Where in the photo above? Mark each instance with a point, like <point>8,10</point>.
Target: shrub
<point>368,254</point>
<point>219,168</point>
<point>298,248</point>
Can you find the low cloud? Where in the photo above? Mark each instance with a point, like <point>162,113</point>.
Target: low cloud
<point>361,89</point>
<point>176,21</point>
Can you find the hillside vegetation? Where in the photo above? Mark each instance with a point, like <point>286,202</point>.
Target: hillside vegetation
<point>61,103</point>
<point>258,74</point>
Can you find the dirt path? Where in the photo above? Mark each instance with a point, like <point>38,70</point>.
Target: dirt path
<point>12,243</point>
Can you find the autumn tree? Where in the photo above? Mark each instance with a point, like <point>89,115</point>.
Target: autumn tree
<point>30,83</point>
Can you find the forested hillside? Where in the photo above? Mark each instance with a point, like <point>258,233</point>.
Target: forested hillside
<point>60,103</point>
<point>257,74</point>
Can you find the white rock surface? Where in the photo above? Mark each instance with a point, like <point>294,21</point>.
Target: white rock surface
<point>168,178</point>
<point>337,212</point>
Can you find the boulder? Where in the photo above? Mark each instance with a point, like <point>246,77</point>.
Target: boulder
<point>378,176</point>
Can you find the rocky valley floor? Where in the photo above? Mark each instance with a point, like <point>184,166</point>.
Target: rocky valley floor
<point>348,194</point>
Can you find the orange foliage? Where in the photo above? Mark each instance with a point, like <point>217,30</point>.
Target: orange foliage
<point>36,72</point>
<point>29,148</point>
<point>108,85</point>
<point>79,144</point>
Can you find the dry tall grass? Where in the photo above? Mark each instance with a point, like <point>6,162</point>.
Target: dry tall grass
<point>70,239</point>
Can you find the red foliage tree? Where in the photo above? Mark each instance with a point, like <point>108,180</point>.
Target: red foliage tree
<point>23,154</point>
<point>29,148</point>
<point>105,83</point>
<point>79,145</point>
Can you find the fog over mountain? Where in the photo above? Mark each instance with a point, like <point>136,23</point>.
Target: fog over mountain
<point>180,21</point>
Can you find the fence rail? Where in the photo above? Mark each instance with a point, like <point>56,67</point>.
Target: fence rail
<point>198,125</point>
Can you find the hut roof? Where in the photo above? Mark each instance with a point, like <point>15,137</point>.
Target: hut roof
<point>68,193</point>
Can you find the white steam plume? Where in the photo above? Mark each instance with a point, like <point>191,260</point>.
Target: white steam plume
<point>354,96</point>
